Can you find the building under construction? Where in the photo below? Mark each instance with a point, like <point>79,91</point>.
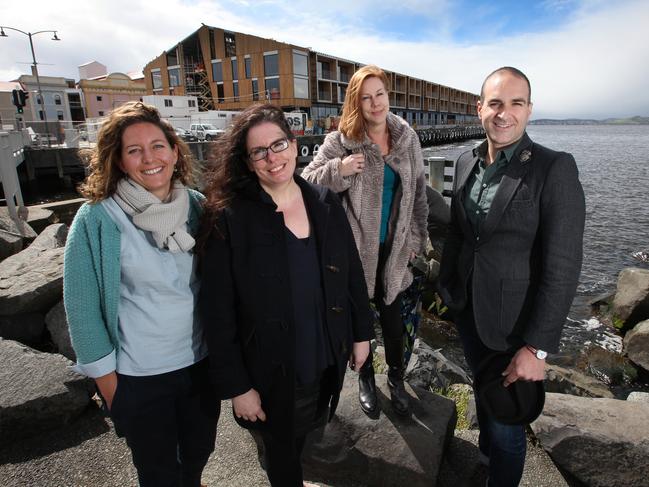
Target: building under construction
<point>229,70</point>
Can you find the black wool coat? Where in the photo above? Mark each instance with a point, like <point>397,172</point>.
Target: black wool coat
<point>246,305</point>
<point>524,267</point>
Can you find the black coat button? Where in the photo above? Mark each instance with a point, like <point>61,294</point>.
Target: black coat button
<point>337,309</point>
<point>332,268</point>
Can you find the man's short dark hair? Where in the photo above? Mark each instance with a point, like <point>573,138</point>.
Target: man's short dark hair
<point>513,71</point>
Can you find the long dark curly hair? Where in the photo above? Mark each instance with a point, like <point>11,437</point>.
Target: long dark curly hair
<point>227,166</point>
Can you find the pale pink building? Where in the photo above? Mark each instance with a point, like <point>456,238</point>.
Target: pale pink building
<point>104,92</point>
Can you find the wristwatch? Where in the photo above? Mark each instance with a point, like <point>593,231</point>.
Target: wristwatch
<point>539,354</point>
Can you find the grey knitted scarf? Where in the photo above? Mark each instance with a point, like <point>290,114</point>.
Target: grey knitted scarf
<point>167,221</point>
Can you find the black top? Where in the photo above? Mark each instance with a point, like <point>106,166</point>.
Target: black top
<point>246,303</point>
<point>312,355</point>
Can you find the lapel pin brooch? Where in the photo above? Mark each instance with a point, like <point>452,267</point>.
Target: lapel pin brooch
<point>525,156</point>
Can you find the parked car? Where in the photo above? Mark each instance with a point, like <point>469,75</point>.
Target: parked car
<point>185,135</point>
<point>205,131</point>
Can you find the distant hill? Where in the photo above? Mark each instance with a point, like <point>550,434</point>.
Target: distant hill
<point>637,120</point>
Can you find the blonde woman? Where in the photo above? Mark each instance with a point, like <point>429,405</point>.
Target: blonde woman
<point>375,162</point>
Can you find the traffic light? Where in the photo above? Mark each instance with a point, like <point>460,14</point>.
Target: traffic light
<point>19,98</point>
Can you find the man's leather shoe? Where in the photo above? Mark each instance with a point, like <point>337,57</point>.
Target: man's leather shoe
<point>398,395</point>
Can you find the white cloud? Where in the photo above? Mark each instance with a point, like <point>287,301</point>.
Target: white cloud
<point>593,66</point>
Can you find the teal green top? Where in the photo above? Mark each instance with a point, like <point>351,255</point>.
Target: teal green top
<point>91,285</point>
<point>482,185</point>
<point>390,180</point>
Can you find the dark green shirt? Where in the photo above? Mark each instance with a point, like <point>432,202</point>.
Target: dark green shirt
<point>483,184</point>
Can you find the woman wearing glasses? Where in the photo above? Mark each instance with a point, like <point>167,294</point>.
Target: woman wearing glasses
<point>283,297</point>
<point>376,160</point>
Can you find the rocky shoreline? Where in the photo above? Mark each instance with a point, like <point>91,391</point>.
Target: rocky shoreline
<point>592,432</point>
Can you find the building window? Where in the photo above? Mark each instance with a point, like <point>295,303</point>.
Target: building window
<point>212,45</point>
<point>40,115</point>
<point>300,87</point>
<point>191,103</point>
<point>300,64</point>
<point>235,88</point>
<point>248,67</point>
<point>99,98</point>
<point>168,102</point>
<point>255,90</point>
<point>39,100</point>
<point>101,113</point>
<point>220,93</point>
<point>174,75</point>
<point>230,44</point>
<point>235,74</point>
<point>271,64</point>
<point>272,88</point>
<point>57,99</point>
<point>59,114</point>
<point>342,91</point>
<point>323,70</point>
<point>172,58</point>
<point>217,71</point>
<point>301,72</point>
<point>156,79</point>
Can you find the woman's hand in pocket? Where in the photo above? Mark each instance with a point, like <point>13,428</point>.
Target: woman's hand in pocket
<point>107,385</point>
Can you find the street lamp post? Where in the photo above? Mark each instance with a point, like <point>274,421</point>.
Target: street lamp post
<point>38,80</point>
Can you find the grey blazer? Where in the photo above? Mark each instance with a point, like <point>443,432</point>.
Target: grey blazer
<point>521,273</point>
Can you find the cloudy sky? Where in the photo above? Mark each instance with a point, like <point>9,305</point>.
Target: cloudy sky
<point>585,58</point>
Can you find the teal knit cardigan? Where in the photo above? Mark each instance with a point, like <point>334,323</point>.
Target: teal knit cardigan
<point>91,278</point>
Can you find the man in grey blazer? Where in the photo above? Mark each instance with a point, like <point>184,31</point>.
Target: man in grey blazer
<point>513,255</point>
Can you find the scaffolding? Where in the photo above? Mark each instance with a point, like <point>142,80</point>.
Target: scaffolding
<point>197,84</point>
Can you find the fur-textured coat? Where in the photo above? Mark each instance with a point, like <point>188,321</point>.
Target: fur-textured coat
<point>362,194</point>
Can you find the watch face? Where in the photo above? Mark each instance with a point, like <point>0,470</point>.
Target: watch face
<point>541,354</point>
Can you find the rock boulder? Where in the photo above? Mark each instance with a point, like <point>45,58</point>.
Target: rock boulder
<point>12,234</point>
<point>602,442</point>
<point>631,301</point>
<point>25,328</point>
<point>636,344</point>
<point>57,325</point>
<point>428,367</point>
<point>570,381</point>
<point>37,391</point>
<point>387,450</point>
<point>39,218</point>
<point>32,280</point>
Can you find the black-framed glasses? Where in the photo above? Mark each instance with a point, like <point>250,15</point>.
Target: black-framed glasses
<point>259,153</point>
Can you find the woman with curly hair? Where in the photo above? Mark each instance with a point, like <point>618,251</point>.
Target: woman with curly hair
<point>129,291</point>
<point>283,297</point>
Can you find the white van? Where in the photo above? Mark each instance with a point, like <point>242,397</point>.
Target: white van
<point>205,131</point>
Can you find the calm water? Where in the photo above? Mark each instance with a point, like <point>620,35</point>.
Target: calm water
<point>613,164</point>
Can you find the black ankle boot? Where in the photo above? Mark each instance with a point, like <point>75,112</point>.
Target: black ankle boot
<point>398,396</point>
<point>367,387</point>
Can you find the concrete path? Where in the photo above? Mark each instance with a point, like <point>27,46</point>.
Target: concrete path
<point>87,454</point>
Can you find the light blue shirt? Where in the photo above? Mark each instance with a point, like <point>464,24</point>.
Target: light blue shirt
<point>158,331</point>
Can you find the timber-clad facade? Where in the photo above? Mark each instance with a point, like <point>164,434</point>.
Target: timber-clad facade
<point>229,70</point>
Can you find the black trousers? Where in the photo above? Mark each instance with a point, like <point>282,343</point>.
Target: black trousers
<point>169,423</point>
<point>389,317</point>
<point>284,457</point>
